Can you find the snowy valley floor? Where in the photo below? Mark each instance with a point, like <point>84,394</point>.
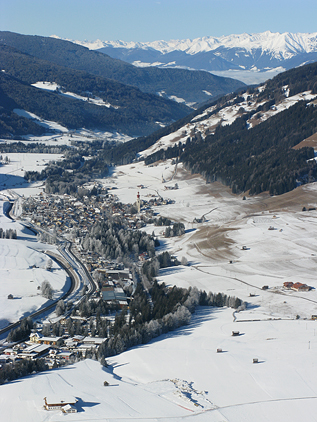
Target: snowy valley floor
<point>180,376</point>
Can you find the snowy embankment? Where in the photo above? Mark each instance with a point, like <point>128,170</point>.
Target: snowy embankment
<point>23,269</point>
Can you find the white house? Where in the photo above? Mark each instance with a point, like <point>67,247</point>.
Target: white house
<point>58,403</point>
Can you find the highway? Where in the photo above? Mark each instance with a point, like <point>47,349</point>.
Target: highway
<point>75,269</point>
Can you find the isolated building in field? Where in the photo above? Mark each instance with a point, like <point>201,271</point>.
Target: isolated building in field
<point>69,409</point>
<point>300,287</point>
<point>59,403</point>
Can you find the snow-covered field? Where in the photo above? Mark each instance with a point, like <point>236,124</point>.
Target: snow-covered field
<point>22,270</point>
<point>180,376</point>
<point>287,252</point>
<point>52,86</point>
<point>12,173</point>
<point>22,261</point>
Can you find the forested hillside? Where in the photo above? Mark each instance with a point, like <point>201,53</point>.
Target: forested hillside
<point>260,159</point>
<point>191,86</point>
<point>257,156</point>
<point>128,109</point>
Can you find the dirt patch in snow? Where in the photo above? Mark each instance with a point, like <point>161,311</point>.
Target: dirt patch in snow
<point>213,242</point>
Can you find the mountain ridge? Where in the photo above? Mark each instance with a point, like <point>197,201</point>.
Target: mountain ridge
<point>178,84</point>
<point>283,43</point>
<point>73,102</point>
<point>244,52</point>
<point>249,140</point>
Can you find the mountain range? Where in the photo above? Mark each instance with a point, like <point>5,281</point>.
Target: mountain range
<point>180,85</point>
<point>247,139</point>
<point>259,139</point>
<point>257,52</point>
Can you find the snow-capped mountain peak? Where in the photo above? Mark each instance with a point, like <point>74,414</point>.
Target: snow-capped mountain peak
<point>284,45</point>
<point>247,53</point>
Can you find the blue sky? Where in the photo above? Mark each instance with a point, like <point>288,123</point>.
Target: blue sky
<point>150,20</point>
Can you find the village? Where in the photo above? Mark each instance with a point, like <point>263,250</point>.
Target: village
<point>75,331</point>
<point>57,218</point>
<point>56,351</point>
<point>60,217</point>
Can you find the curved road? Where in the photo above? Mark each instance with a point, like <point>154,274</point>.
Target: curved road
<point>75,269</point>
<point>71,273</point>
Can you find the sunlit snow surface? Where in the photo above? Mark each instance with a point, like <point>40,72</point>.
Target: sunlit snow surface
<point>22,261</point>
<point>180,376</point>
<point>22,271</point>
<point>206,122</point>
<point>52,86</point>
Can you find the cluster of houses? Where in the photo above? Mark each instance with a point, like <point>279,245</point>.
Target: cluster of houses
<point>298,287</point>
<point>68,216</point>
<point>55,350</point>
<point>65,215</point>
<point>65,212</point>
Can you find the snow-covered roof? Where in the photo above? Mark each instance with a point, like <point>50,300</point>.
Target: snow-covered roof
<point>60,400</point>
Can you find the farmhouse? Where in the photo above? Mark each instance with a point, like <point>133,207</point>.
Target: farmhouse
<point>299,287</point>
<point>69,409</point>
<point>65,355</point>
<point>93,340</point>
<point>57,403</point>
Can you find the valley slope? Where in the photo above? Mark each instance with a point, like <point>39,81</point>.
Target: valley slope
<point>181,85</point>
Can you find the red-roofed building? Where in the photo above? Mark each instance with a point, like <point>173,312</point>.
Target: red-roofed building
<point>300,287</point>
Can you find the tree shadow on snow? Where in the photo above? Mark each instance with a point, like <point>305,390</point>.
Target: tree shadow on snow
<point>8,181</point>
<point>163,246</point>
<point>202,314</point>
<point>170,270</point>
<point>190,230</point>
